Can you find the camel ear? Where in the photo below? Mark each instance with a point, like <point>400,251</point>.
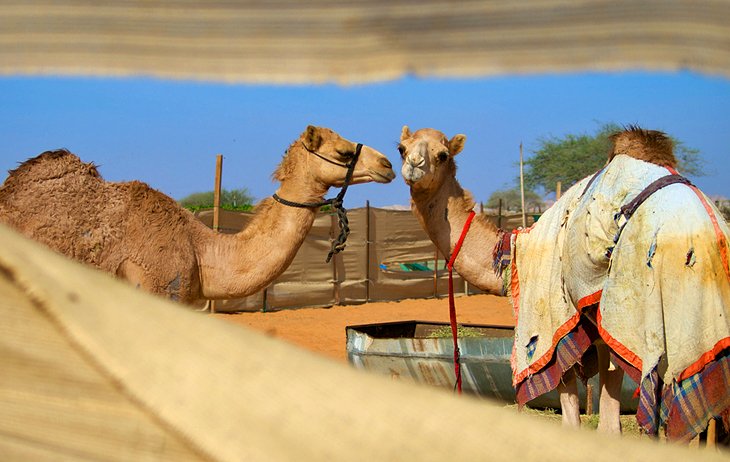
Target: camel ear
<point>456,144</point>
<point>312,138</point>
<point>405,132</point>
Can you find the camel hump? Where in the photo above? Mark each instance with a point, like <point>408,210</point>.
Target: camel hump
<point>142,196</point>
<point>52,164</point>
<point>647,145</point>
<point>153,207</point>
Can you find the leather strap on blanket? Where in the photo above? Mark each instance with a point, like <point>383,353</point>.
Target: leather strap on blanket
<point>590,182</point>
<point>627,210</point>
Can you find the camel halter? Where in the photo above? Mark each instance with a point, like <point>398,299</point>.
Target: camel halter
<point>338,245</point>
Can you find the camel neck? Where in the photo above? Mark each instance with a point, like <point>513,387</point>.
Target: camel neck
<point>443,216</point>
<point>246,262</point>
<point>300,191</point>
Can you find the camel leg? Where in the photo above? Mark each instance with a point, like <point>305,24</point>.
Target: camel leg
<point>712,434</point>
<point>611,378</point>
<point>568,390</point>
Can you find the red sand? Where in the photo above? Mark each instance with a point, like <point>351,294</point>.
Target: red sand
<point>322,330</point>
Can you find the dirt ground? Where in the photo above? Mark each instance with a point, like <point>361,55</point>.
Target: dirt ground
<point>322,330</point>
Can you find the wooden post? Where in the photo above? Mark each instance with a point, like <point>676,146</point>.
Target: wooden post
<point>217,204</point>
<point>522,190</point>
<point>436,273</point>
<point>558,190</point>
<point>335,257</point>
<point>217,192</point>
<point>499,214</point>
<point>367,251</point>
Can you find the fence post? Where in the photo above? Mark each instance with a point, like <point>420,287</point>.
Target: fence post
<point>367,251</point>
<point>335,279</point>
<point>522,190</point>
<point>217,192</point>
<point>499,214</point>
<point>435,272</point>
<point>217,204</point>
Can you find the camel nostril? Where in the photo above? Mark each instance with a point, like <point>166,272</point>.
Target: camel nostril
<point>386,163</point>
<point>416,161</point>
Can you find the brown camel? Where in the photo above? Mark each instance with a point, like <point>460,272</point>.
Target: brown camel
<point>141,235</point>
<point>597,260</point>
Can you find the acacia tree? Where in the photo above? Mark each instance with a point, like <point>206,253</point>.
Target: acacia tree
<point>512,200</point>
<point>573,157</point>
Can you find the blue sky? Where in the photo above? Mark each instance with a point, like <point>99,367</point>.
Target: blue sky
<point>167,133</point>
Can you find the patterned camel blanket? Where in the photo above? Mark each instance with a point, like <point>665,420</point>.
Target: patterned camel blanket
<point>655,288</point>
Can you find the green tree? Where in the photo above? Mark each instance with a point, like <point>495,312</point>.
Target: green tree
<point>234,199</point>
<point>512,200</point>
<point>724,206</point>
<point>573,157</point>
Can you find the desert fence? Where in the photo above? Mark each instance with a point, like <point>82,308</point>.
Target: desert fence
<point>388,257</point>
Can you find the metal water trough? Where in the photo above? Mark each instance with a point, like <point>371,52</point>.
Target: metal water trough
<point>405,350</point>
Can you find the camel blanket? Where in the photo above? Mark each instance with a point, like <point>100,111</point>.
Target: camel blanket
<point>662,289</point>
<point>543,311</point>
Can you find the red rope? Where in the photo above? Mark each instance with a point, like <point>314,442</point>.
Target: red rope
<point>452,306</point>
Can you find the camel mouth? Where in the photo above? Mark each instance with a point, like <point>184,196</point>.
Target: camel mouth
<point>369,175</point>
<point>411,175</point>
<point>384,178</point>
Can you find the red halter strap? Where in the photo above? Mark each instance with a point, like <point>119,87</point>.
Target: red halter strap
<point>452,306</point>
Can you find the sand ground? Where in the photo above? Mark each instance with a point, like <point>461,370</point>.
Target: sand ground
<point>322,330</point>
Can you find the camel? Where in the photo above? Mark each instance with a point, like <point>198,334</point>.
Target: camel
<point>145,237</point>
<point>442,206</point>
<point>565,301</point>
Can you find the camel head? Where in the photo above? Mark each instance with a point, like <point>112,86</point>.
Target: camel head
<point>324,156</point>
<point>428,157</point>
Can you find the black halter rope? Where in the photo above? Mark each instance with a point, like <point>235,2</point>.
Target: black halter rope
<point>338,244</point>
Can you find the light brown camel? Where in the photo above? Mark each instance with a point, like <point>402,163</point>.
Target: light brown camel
<point>141,235</point>
<point>441,205</point>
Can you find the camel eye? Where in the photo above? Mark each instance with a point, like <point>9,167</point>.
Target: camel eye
<point>346,153</point>
<point>402,151</point>
<point>442,156</point>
